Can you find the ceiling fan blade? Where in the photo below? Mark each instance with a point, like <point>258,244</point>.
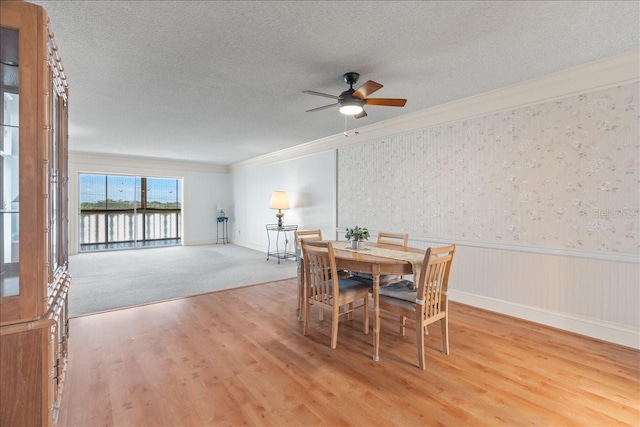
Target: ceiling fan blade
<point>367,89</point>
<point>387,102</point>
<point>322,108</point>
<point>361,115</point>
<point>326,95</point>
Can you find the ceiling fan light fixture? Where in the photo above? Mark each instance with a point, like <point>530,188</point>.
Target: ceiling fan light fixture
<point>351,110</point>
<point>350,105</point>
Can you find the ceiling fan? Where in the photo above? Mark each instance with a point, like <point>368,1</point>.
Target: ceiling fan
<point>352,101</point>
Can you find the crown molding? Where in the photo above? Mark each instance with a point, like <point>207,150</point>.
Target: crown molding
<point>88,161</point>
<point>609,72</point>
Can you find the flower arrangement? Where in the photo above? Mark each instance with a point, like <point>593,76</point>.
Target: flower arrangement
<point>357,234</point>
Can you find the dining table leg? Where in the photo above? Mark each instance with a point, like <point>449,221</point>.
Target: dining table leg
<point>376,312</point>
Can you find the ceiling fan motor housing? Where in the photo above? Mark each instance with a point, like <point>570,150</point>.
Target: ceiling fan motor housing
<point>347,98</point>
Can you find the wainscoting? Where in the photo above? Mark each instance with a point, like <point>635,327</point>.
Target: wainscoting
<point>596,298</point>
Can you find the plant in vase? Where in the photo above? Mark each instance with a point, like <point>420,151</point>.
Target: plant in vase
<point>357,236</point>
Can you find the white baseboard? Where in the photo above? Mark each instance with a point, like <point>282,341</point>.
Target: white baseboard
<point>198,242</point>
<point>613,333</point>
<point>249,245</point>
<point>231,241</point>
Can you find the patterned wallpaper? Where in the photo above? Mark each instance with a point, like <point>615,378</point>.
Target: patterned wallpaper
<point>560,174</point>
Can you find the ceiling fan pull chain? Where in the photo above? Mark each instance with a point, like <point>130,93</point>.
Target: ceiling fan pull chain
<point>346,130</point>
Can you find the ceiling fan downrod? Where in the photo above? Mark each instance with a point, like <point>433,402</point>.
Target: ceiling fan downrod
<point>351,78</point>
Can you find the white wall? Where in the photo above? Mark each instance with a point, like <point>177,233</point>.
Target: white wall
<point>203,187</point>
<point>310,185</point>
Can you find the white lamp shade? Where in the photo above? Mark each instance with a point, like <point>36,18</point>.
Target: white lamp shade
<point>279,200</point>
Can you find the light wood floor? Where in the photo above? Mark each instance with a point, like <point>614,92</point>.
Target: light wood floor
<point>238,357</point>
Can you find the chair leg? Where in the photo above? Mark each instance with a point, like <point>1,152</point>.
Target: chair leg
<point>403,323</point>
<point>444,324</point>
<point>420,339</point>
<point>300,297</point>
<point>335,320</point>
<point>350,313</point>
<point>307,317</point>
<point>365,320</point>
<point>321,314</point>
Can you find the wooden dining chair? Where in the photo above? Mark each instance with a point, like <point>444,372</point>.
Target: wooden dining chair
<point>388,241</point>
<point>330,291</point>
<point>426,300</point>
<point>392,240</point>
<point>299,235</point>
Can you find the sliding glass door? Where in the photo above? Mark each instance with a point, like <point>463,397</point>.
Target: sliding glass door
<point>121,211</point>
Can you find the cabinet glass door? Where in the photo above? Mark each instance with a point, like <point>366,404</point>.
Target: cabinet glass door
<point>9,163</point>
<point>54,181</point>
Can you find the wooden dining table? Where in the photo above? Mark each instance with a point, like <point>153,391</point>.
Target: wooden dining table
<point>365,262</point>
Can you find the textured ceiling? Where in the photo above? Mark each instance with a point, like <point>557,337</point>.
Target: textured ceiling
<point>221,82</point>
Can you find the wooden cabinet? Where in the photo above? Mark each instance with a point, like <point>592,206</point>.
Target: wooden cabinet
<point>34,274</point>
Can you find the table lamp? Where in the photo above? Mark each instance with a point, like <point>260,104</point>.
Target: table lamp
<point>279,201</point>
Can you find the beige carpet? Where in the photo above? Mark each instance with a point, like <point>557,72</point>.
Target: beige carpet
<point>124,278</point>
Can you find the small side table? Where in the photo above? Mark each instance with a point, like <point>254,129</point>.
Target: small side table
<point>222,222</point>
<point>281,234</point>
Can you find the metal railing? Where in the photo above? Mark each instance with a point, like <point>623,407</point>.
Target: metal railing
<point>104,227</point>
